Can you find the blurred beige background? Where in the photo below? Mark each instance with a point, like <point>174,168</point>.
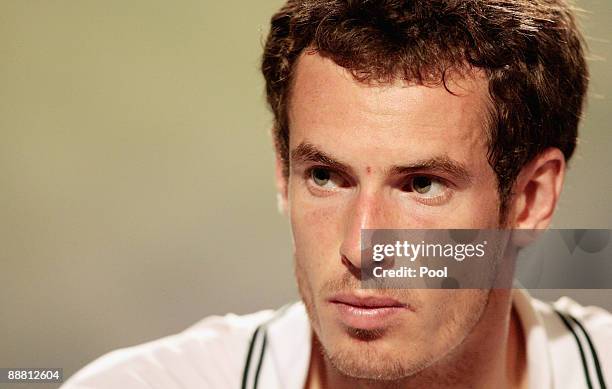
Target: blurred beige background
<point>136,172</point>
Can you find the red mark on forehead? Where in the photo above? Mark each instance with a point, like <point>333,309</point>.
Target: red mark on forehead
<point>368,169</point>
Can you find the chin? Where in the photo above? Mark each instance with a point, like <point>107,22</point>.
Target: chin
<point>368,363</point>
<point>375,358</point>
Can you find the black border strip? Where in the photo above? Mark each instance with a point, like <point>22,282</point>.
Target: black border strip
<point>261,328</point>
<point>261,357</point>
<point>582,356</point>
<point>600,377</point>
<point>245,371</point>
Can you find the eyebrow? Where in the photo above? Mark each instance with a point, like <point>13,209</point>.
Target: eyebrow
<point>308,153</point>
<point>441,164</point>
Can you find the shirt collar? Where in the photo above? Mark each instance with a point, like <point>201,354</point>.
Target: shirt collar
<point>538,358</point>
<point>290,346</point>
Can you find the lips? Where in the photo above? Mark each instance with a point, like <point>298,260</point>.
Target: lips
<point>367,312</point>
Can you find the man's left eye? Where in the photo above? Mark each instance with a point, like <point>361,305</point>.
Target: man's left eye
<point>425,186</point>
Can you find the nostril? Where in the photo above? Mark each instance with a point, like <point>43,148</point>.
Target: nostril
<point>354,270</point>
<point>368,264</point>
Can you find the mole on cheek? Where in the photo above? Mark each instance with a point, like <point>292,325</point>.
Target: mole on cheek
<point>368,170</point>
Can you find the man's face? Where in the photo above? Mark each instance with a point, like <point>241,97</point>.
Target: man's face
<point>386,156</point>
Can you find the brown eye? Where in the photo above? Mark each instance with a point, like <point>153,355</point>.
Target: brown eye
<point>324,178</point>
<point>421,184</point>
<point>425,186</point>
<point>320,176</point>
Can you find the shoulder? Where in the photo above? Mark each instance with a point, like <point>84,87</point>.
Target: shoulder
<point>573,329</point>
<point>209,354</point>
<point>595,321</point>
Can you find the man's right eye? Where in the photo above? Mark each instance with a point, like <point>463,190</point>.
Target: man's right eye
<point>320,176</point>
<point>325,178</point>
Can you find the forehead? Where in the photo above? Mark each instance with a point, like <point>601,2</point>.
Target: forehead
<point>328,105</point>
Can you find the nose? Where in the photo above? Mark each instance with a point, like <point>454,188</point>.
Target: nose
<point>367,211</point>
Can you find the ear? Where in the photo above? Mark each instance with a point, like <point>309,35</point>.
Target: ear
<point>281,185</point>
<point>537,190</point>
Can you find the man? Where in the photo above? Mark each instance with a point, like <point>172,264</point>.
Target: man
<point>403,115</point>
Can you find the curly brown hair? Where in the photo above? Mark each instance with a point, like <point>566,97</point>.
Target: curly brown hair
<point>531,52</point>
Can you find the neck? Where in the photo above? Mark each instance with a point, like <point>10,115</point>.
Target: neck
<point>493,355</point>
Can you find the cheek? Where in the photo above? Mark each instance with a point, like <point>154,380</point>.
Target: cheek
<point>476,208</point>
<point>476,213</point>
<point>450,315</point>
<point>484,208</point>
<point>315,228</point>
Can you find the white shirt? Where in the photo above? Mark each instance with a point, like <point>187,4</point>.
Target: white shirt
<point>213,352</point>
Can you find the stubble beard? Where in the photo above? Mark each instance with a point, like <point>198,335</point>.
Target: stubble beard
<point>368,364</point>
